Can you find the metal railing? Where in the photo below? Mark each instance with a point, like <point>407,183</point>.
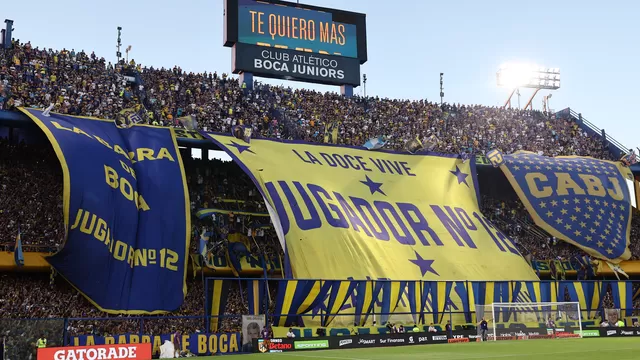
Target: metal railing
<point>616,148</point>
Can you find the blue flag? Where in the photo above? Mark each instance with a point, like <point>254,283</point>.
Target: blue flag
<point>583,201</point>
<point>17,252</point>
<point>125,210</point>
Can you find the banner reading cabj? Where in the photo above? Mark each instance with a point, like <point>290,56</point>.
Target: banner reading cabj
<point>126,213</point>
<point>345,212</point>
<point>583,201</point>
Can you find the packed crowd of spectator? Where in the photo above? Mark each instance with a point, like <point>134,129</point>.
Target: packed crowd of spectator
<point>512,218</point>
<point>80,83</point>
<point>39,296</point>
<point>30,196</point>
<point>77,83</point>
<point>83,84</point>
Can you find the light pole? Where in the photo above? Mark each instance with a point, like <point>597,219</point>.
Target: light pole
<point>364,82</point>
<point>119,43</point>
<point>441,89</point>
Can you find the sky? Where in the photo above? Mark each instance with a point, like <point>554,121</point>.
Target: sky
<point>595,44</point>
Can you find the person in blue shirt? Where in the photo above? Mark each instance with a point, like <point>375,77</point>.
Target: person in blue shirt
<point>449,330</point>
<point>484,329</point>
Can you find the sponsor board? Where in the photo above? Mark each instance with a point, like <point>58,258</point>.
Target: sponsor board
<point>97,352</point>
<point>439,337</point>
<point>588,333</point>
<point>274,345</point>
<point>344,342</point>
<point>367,342</point>
<point>383,340</point>
<point>391,341</point>
<point>553,331</point>
<point>520,332</point>
<point>311,344</point>
<point>624,331</point>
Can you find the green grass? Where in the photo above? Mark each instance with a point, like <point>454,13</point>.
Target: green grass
<point>565,349</point>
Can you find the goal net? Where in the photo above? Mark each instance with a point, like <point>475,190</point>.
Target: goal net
<point>511,321</point>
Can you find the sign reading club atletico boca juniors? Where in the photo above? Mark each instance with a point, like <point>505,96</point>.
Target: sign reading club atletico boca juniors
<point>346,212</point>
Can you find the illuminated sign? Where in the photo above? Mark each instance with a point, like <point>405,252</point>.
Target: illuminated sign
<point>291,41</point>
<point>295,65</point>
<point>288,27</point>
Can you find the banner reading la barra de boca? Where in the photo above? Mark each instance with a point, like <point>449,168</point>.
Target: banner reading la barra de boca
<point>125,210</point>
<point>196,343</point>
<point>583,201</point>
<point>348,212</point>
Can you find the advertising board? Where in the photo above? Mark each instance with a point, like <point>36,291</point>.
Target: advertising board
<point>97,352</point>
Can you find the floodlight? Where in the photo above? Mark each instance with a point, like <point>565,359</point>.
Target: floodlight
<point>516,75</point>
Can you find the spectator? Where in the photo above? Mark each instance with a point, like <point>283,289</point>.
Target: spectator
<point>81,83</point>
<point>290,334</point>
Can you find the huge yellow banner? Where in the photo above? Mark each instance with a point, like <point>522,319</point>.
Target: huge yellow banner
<point>346,212</point>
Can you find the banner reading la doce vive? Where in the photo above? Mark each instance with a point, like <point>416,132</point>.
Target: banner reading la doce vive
<point>351,213</point>
<point>126,211</point>
<point>581,200</point>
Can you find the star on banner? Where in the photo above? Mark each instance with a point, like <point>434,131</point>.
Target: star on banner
<point>462,177</point>
<point>425,265</point>
<point>241,148</point>
<point>374,187</point>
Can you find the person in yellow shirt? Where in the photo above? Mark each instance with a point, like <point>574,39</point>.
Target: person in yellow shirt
<point>41,342</point>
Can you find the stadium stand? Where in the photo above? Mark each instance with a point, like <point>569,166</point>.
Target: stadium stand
<point>80,83</point>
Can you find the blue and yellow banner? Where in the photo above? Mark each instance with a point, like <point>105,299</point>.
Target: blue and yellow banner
<point>197,343</point>
<point>217,296</point>
<point>257,296</point>
<point>346,212</point>
<point>343,303</point>
<point>583,201</point>
<point>126,213</point>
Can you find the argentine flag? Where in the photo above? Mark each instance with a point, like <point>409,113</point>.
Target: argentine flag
<point>375,143</point>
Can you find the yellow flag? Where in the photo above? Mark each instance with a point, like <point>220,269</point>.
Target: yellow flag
<point>348,212</point>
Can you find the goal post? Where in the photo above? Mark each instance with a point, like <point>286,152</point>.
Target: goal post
<point>530,320</point>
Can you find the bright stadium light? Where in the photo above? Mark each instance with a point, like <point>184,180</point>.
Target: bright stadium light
<point>517,75</point>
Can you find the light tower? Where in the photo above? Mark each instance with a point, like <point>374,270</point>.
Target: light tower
<point>516,76</point>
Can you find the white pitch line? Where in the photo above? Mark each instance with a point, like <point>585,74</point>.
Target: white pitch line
<point>449,355</point>
<point>324,357</point>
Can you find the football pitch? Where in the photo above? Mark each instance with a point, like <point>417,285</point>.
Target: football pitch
<point>565,349</point>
